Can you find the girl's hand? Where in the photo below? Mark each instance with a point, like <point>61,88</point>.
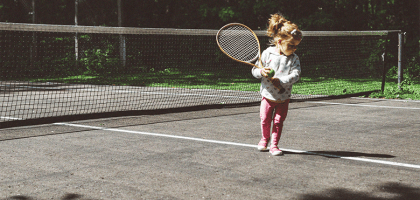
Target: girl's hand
<point>265,71</point>
<point>276,82</point>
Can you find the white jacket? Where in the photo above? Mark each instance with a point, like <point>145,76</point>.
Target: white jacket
<point>287,70</point>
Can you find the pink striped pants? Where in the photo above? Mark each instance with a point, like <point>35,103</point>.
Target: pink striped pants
<point>276,113</point>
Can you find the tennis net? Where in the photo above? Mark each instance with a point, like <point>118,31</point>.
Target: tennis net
<point>49,71</point>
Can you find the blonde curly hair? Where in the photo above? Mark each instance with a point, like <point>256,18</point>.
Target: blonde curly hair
<point>279,28</point>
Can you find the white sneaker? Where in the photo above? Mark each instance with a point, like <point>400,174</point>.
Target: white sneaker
<point>262,145</point>
<point>275,151</point>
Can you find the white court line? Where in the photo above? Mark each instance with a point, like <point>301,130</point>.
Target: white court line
<point>14,118</point>
<point>400,100</point>
<point>362,105</point>
<point>203,95</point>
<point>240,144</point>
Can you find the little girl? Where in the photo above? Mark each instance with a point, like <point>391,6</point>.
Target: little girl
<point>276,91</point>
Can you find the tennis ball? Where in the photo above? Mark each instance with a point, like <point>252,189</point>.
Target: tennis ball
<point>271,73</point>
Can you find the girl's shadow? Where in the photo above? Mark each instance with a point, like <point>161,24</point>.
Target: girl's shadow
<point>340,154</point>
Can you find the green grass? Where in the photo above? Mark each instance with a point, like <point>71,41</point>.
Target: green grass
<point>167,78</point>
<point>231,81</point>
<point>409,90</point>
<point>335,86</point>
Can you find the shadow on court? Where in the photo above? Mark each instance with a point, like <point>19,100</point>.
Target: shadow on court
<point>339,154</point>
<point>397,191</point>
<point>65,197</point>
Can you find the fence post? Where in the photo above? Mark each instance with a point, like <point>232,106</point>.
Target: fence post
<point>76,37</point>
<point>400,67</point>
<point>122,37</point>
<point>33,48</point>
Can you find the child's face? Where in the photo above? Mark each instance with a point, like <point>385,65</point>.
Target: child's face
<point>289,47</point>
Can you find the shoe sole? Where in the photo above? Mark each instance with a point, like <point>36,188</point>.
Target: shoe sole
<point>277,153</point>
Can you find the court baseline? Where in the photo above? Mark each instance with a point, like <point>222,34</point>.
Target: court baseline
<point>362,105</point>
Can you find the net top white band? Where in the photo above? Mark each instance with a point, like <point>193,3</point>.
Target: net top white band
<point>162,31</point>
<point>102,29</point>
<point>337,33</point>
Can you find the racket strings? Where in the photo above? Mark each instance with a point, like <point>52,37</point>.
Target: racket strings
<point>239,43</point>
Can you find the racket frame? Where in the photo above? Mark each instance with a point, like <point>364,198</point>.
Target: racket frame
<point>249,62</point>
<point>256,37</point>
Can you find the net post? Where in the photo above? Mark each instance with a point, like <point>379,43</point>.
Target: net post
<point>384,63</point>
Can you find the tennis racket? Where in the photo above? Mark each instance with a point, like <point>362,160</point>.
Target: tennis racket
<point>241,44</point>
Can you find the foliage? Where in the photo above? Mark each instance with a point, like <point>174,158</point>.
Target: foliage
<point>410,89</point>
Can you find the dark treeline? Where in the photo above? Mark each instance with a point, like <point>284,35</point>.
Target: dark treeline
<point>310,15</point>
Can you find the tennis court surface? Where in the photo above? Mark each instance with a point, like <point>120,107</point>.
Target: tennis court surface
<point>352,148</point>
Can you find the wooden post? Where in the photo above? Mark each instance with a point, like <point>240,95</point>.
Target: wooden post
<point>76,37</point>
<point>400,67</point>
<point>33,46</point>
<point>122,38</point>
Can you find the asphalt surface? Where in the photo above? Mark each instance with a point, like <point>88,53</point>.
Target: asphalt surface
<point>352,148</point>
